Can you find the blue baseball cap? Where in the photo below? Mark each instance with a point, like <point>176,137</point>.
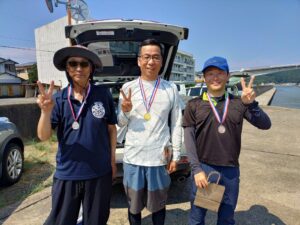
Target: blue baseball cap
<point>218,62</point>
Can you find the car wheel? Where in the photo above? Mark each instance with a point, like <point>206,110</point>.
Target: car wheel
<point>12,164</point>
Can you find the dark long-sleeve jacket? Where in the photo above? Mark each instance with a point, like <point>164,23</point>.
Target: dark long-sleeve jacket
<point>203,141</point>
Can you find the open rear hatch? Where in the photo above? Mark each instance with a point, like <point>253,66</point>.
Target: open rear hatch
<point>116,42</point>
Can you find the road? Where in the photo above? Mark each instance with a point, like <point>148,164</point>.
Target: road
<point>269,183</point>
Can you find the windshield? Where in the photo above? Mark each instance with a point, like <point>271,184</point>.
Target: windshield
<point>116,53</point>
<point>117,57</point>
<point>195,91</point>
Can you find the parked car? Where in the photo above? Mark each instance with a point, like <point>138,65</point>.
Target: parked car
<point>11,152</point>
<point>116,42</point>
<point>233,89</point>
<point>199,89</point>
<point>196,90</point>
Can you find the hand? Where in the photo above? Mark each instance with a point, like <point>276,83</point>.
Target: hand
<point>126,105</point>
<point>114,170</point>
<point>200,180</point>
<point>172,167</point>
<point>44,99</point>
<point>248,94</point>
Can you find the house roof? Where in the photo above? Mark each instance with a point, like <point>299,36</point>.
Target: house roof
<point>29,64</point>
<point>6,78</point>
<point>2,60</point>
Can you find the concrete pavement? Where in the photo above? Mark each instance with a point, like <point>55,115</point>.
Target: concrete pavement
<point>269,188</point>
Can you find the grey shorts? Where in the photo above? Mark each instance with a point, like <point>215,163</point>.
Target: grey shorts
<point>146,186</point>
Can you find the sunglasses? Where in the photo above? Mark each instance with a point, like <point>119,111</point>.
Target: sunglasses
<point>75,64</point>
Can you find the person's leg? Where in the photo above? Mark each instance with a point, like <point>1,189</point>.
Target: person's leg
<point>230,177</point>
<point>134,186</point>
<point>197,214</point>
<point>66,198</point>
<point>158,218</point>
<point>134,219</point>
<point>158,182</point>
<point>96,201</point>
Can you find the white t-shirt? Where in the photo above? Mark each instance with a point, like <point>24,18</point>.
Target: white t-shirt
<point>150,143</point>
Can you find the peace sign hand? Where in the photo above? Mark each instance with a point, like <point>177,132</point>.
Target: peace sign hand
<point>126,105</point>
<point>248,94</point>
<point>44,100</point>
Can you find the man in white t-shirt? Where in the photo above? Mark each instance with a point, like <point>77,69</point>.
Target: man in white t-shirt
<point>149,107</point>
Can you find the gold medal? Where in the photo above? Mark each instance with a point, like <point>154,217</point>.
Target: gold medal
<point>147,116</point>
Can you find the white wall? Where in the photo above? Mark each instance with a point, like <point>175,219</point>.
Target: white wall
<point>48,39</point>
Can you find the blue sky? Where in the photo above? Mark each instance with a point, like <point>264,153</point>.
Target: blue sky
<point>249,33</point>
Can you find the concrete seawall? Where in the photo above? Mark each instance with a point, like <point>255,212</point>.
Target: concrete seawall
<point>266,97</point>
<point>25,113</point>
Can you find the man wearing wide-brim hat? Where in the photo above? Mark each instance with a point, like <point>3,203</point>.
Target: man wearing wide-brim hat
<point>84,118</point>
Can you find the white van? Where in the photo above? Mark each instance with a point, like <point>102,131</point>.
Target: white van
<point>116,42</point>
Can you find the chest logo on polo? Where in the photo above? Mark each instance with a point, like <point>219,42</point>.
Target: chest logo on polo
<point>98,110</point>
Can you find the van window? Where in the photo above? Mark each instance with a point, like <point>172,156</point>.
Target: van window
<point>195,91</point>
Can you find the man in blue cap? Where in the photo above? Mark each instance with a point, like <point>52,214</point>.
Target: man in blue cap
<point>212,131</point>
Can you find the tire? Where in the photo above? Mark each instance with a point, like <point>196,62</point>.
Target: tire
<point>12,164</point>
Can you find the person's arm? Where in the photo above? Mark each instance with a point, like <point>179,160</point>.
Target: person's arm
<point>176,130</point>
<point>190,145</point>
<point>112,131</point>
<point>44,129</point>
<point>257,117</point>
<point>46,104</point>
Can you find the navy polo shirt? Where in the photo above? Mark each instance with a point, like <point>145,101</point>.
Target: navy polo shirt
<point>84,153</point>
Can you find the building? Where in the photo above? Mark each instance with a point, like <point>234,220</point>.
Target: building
<point>51,37</point>
<point>10,83</point>
<point>183,67</point>
<point>23,70</point>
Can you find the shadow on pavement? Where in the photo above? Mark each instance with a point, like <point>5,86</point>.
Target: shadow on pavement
<point>257,214</point>
<point>11,197</point>
<point>173,216</point>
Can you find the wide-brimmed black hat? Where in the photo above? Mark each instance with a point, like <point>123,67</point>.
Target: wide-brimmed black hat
<point>61,56</point>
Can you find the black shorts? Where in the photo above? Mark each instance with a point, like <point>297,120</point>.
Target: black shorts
<point>68,195</point>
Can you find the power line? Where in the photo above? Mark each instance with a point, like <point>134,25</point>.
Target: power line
<point>27,49</point>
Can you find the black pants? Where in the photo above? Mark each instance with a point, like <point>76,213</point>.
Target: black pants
<point>158,218</point>
<point>67,196</point>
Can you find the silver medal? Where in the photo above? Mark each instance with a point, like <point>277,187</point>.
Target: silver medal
<point>75,125</point>
<point>221,129</point>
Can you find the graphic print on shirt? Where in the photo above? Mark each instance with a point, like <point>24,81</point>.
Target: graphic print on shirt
<point>98,110</point>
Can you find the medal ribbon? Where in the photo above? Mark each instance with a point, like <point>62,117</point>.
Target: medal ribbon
<point>225,110</point>
<point>82,105</point>
<point>148,104</point>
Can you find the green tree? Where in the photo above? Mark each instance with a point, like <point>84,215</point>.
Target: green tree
<point>33,74</point>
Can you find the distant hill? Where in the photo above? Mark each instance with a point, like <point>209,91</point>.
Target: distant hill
<point>291,76</point>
